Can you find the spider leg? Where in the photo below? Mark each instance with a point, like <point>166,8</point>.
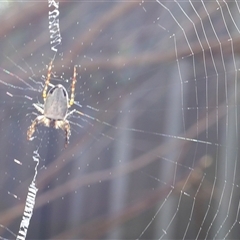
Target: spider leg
<point>38,108</point>
<point>73,111</point>
<point>32,128</point>
<point>44,93</point>
<point>65,126</point>
<point>74,80</point>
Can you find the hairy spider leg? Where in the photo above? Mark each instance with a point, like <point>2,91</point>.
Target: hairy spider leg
<point>65,126</point>
<point>44,93</point>
<point>74,80</point>
<point>32,128</point>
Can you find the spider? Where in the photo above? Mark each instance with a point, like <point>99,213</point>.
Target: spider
<point>55,108</point>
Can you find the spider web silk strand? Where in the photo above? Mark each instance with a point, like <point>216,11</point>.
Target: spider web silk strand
<point>30,202</point>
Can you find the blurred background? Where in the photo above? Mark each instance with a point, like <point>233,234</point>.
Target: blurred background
<point>156,154</point>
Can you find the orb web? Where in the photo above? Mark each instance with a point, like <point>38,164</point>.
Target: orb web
<point>155,155</point>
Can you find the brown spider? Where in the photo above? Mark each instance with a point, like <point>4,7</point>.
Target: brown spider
<point>55,108</point>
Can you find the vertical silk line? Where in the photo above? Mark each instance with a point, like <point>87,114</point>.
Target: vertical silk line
<point>55,40</point>
<point>54,29</point>
<point>30,202</point>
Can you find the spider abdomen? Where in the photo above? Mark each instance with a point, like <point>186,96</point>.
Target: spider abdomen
<point>56,104</point>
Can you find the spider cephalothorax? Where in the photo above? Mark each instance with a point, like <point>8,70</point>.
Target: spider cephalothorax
<point>55,108</point>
